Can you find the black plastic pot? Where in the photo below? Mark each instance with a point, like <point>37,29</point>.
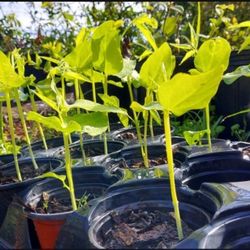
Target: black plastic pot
<point>7,191</point>
<point>130,135</point>
<point>196,207</point>
<point>93,179</point>
<point>53,144</point>
<point>94,149</point>
<point>129,155</point>
<point>195,151</point>
<point>220,168</point>
<point>239,145</point>
<point>8,158</point>
<point>229,229</point>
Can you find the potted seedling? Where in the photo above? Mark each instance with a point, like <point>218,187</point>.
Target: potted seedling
<point>93,123</point>
<point>176,98</point>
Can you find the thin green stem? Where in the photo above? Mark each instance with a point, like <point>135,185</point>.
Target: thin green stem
<point>170,161</point>
<point>145,139</point>
<point>12,134</point>
<point>105,89</point>
<point>40,128</point>
<point>208,128</point>
<point>63,87</point>
<point>69,171</point>
<point>93,88</point>
<point>151,127</point>
<point>1,124</point>
<point>77,95</point>
<point>23,122</point>
<point>136,121</point>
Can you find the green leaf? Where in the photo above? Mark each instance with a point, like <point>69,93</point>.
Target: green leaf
<point>237,113</point>
<point>92,123</point>
<point>81,36</point>
<point>74,75</point>
<point>8,77</point>
<point>92,106</point>
<point>244,70</point>
<point>61,178</point>
<point>137,107</point>
<point>194,137</point>
<point>50,59</point>
<point>145,54</point>
<point>170,26</point>
<point>193,36</point>
<point>55,123</point>
<point>185,92</point>
<point>159,173</point>
<point>81,56</point>
<point>181,46</point>
<point>158,67</point>
<point>128,67</point>
<point>128,174</point>
<point>114,101</point>
<point>245,44</point>
<point>156,116</point>
<point>188,55</point>
<point>212,54</point>
<point>245,24</point>
<point>48,101</point>
<point>106,48</point>
<point>140,22</point>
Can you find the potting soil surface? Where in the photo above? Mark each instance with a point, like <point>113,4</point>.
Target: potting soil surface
<point>142,229</point>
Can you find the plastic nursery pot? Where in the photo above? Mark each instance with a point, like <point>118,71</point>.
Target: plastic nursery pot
<point>91,181</point>
<point>130,158</point>
<point>94,149</point>
<point>8,158</point>
<point>220,168</point>
<point>130,135</point>
<point>229,230</point>
<point>53,144</point>
<point>8,188</point>
<point>196,210</point>
<point>218,145</point>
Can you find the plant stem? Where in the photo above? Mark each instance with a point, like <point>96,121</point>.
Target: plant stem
<point>105,88</point>
<point>1,123</point>
<point>69,171</point>
<point>151,127</point>
<point>20,111</point>
<point>137,125</point>
<point>208,128</point>
<point>33,105</point>
<point>77,95</point>
<point>145,139</point>
<point>63,87</point>
<point>93,88</point>
<point>170,161</point>
<point>12,134</point>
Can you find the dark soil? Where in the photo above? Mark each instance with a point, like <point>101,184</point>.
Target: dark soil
<point>49,205</point>
<point>27,172</point>
<point>246,152</point>
<point>142,229</point>
<point>138,163</point>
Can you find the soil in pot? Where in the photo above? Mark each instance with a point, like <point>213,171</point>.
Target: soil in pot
<point>142,229</point>
<point>8,173</point>
<point>130,135</point>
<point>130,158</point>
<point>48,204</point>
<point>93,149</point>
<point>9,184</point>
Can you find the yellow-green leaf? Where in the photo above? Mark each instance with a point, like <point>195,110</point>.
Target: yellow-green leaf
<point>212,54</point>
<point>185,92</point>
